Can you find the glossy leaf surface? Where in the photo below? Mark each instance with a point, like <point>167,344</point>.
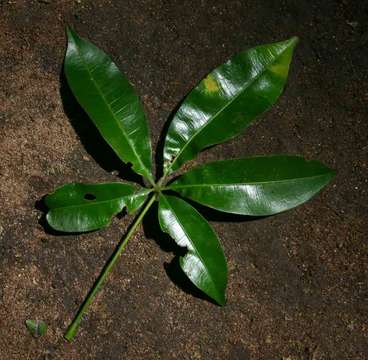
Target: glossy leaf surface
<point>204,263</point>
<point>227,100</point>
<point>110,101</point>
<point>85,207</point>
<point>263,185</point>
<point>134,201</point>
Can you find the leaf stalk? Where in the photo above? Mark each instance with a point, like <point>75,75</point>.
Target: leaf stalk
<point>73,327</point>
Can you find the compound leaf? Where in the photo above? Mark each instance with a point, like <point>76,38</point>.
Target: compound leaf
<point>204,263</point>
<point>110,101</point>
<point>85,207</point>
<point>227,100</point>
<point>257,186</point>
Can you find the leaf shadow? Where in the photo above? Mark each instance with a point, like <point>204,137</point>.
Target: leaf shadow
<point>159,158</point>
<point>41,206</point>
<point>91,139</point>
<point>93,143</point>
<point>178,277</point>
<point>152,230</point>
<point>173,270</point>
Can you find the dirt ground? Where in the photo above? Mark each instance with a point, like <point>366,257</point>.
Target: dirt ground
<point>298,281</point>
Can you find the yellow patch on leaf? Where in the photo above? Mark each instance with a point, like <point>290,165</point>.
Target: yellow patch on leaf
<point>279,69</point>
<point>210,84</point>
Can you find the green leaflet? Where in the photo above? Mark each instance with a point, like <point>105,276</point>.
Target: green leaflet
<point>263,185</point>
<point>110,101</point>
<point>227,100</point>
<point>85,207</point>
<point>204,263</point>
<point>36,328</point>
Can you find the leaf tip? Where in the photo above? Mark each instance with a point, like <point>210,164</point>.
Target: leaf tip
<point>71,34</point>
<point>329,172</point>
<point>294,40</point>
<point>68,29</point>
<point>291,43</point>
<point>221,301</point>
<point>332,173</point>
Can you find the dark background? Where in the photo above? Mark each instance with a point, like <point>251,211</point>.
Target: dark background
<point>298,280</point>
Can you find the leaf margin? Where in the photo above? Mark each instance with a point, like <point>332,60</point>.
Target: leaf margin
<point>169,159</point>
<point>67,190</point>
<point>174,186</point>
<point>220,294</point>
<point>73,38</point>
